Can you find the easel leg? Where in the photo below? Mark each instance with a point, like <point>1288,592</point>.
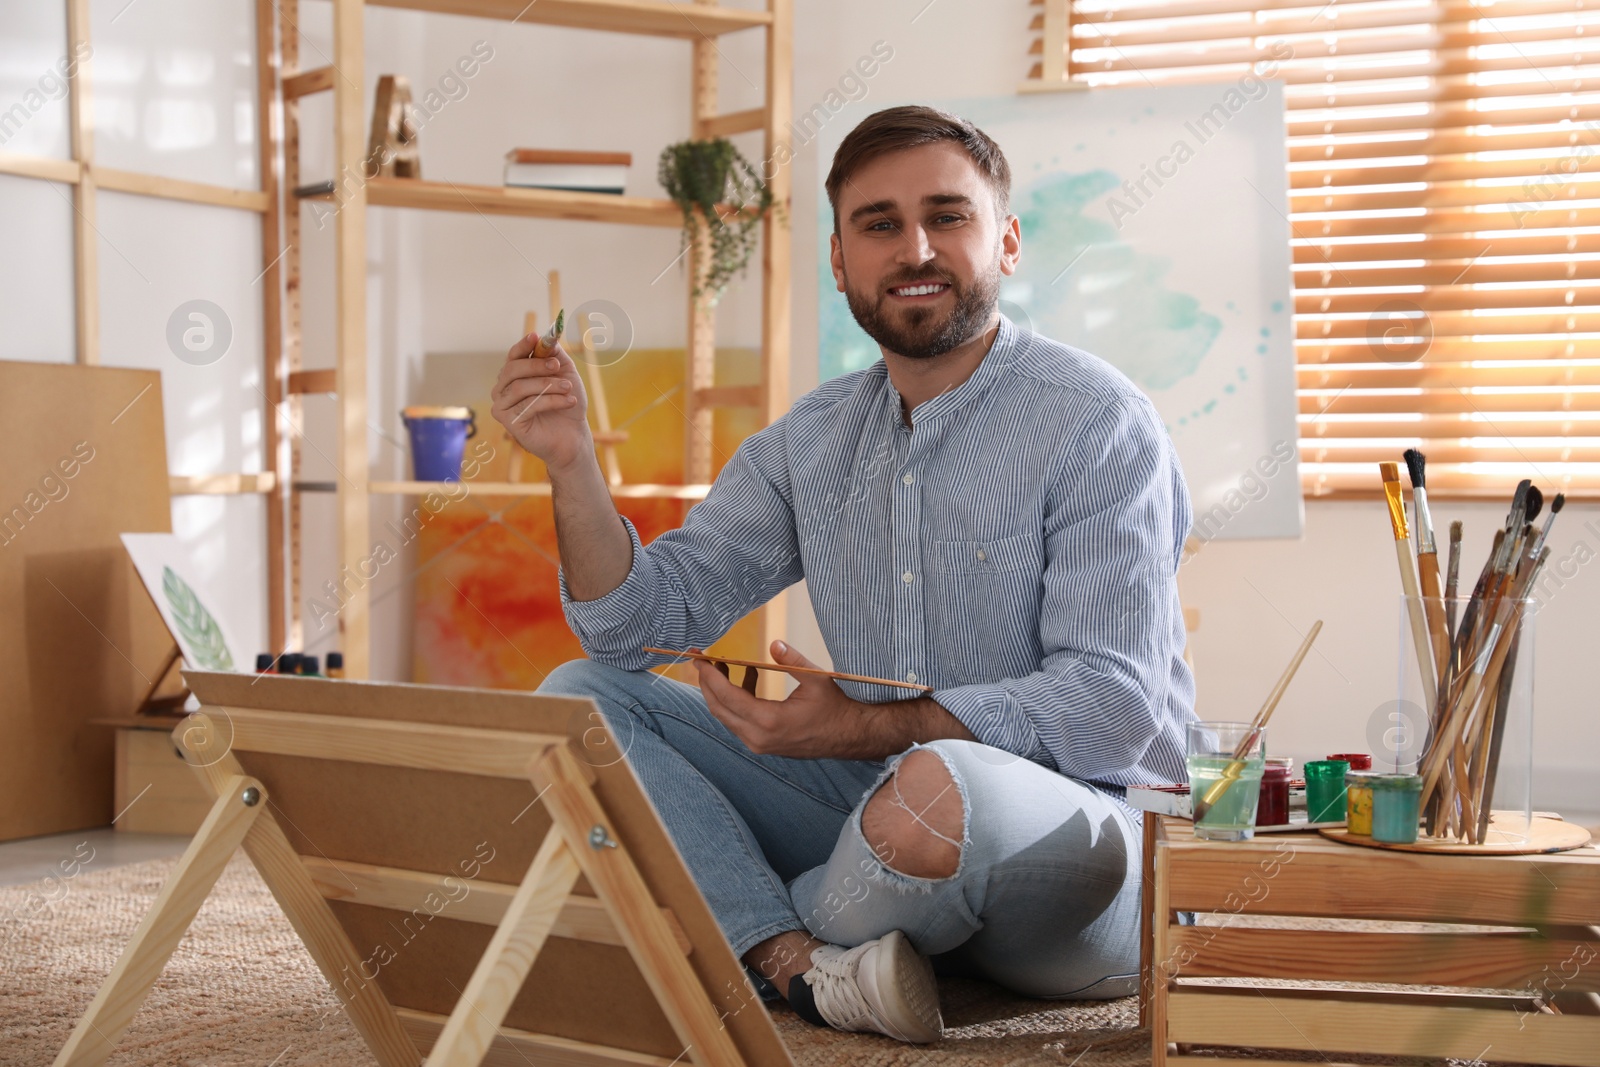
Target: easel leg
<point>113,1008</point>
<point>466,1037</point>
<point>302,902</point>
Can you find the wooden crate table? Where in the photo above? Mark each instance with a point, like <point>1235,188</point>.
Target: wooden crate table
<point>1255,972</point>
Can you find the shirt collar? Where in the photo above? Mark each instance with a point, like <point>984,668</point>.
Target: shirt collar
<point>989,369</point>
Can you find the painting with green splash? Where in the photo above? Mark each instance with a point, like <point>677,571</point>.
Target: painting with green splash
<point>1154,235</point>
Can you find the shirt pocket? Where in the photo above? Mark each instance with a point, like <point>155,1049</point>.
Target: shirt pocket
<point>985,622</point>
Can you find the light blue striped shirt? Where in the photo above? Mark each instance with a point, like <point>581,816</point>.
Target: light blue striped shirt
<point>1016,548</point>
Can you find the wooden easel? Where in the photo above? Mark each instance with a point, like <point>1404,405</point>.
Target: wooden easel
<point>149,703</point>
<point>602,950</point>
<point>604,436</point>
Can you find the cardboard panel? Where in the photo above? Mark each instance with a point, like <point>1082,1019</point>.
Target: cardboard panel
<point>85,461</point>
<point>576,990</point>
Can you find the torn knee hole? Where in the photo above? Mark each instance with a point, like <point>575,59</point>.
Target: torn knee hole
<point>915,822</point>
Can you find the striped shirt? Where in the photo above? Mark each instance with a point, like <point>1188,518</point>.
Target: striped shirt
<point>1016,548</point>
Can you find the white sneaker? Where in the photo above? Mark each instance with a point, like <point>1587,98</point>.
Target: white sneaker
<point>883,986</point>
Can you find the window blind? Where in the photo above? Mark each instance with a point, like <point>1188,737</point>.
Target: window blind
<point>1444,183</point>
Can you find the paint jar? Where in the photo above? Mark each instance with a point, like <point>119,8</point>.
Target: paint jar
<point>335,665</point>
<point>1396,807</point>
<point>1359,761</point>
<point>289,663</point>
<point>1272,809</point>
<point>1358,802</point>
<point>438,438</point>
<point>1325,790</point>
<point>309,666</point>
<point>263,662</point>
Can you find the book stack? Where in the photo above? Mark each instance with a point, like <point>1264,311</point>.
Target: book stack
<point>569,170</point>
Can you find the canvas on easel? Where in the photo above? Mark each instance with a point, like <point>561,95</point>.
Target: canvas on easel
<point>476,873</point>
<point>199,633</point>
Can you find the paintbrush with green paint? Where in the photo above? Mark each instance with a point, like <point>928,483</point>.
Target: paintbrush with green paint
<point>548,341</point>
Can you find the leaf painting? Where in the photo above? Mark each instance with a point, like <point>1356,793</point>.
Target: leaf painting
<point>202,637</point>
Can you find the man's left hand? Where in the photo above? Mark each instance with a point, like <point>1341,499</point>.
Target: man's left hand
<point>816,721</point>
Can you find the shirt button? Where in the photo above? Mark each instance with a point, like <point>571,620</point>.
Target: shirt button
<point>906,577</point>
<point>907,479</point>
<point>911,676</point>
<point>981,556</point>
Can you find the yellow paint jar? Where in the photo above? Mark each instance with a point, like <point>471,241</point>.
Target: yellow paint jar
<point>1358,802</point>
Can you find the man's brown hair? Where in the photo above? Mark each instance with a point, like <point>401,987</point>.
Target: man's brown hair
<point>898,128</point>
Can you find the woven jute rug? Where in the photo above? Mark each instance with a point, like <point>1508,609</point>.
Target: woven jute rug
<point>241,989</point>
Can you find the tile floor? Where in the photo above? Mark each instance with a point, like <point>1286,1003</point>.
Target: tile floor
<point>34,858</point>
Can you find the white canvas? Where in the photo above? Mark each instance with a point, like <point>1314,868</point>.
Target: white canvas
<point>188,609</point>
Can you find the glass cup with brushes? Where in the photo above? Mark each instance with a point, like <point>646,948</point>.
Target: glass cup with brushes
<point>1225,763</point>
<point>1225,760</point>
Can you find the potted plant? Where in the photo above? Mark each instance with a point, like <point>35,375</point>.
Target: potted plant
<point>720,195</point>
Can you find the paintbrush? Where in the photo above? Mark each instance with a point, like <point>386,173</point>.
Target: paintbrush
<point>1490,745</point>
<point>1478,734</point>
<point>1452,578</point>
<point>783,667</point>
<point>1230,773</point>
<point>1486,663</point>
<point>548,340</point>
<point>1544,533</point>
<point>1408,582</point>
<point>1485,630</point>
<point>1427,561</point>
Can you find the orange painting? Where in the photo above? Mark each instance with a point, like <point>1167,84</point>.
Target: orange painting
<point>487,608</point>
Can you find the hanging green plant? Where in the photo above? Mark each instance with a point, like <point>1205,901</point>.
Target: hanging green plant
<point>722,196</point>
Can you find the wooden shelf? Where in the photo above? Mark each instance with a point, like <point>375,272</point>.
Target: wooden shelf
<point>221,484</point>
<point>526,203</point>
<point>652,17</point>
<point>645,491</point>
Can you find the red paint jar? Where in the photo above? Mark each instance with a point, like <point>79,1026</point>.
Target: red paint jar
<point>1272,808</point>
<point>1359,761</point>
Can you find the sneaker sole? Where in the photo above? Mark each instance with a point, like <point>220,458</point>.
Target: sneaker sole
<point>904,983</point>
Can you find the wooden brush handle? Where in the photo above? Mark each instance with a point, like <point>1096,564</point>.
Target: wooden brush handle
<point>1419,626</point>
<point>1433,607</point>
<point>783,667</point>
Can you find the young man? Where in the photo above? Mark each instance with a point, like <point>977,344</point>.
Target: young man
<point>986,512</point>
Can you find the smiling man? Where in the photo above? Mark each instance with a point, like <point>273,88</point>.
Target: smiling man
<point>985,512</point>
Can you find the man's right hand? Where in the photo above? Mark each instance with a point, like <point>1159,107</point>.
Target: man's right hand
<point>543,405</point>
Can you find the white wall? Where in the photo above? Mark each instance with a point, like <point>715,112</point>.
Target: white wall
<point>462,282</point>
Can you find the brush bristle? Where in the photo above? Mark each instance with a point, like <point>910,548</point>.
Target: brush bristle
<point>1559,503</point>
<point>1390,471</point>
<point>1455,530</point>
<point>1519,497</point>
<point>1416,466</point>
<point>1533,503</point>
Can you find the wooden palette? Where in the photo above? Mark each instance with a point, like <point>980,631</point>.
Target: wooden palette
<point>1545,835</point>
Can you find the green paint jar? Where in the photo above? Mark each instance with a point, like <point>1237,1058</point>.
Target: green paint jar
<point>1396,808</point>
<point>1325,790</point>
<point>1358,802</point>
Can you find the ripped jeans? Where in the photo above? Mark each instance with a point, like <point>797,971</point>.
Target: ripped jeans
<point>1044,901</point>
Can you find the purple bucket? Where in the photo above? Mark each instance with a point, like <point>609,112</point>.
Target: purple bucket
<point>438,437</point>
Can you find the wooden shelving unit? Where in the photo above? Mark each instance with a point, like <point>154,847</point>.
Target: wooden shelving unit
<point>698,24</point>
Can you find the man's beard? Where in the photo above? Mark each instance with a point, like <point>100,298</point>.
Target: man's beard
<point>918,332</point>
